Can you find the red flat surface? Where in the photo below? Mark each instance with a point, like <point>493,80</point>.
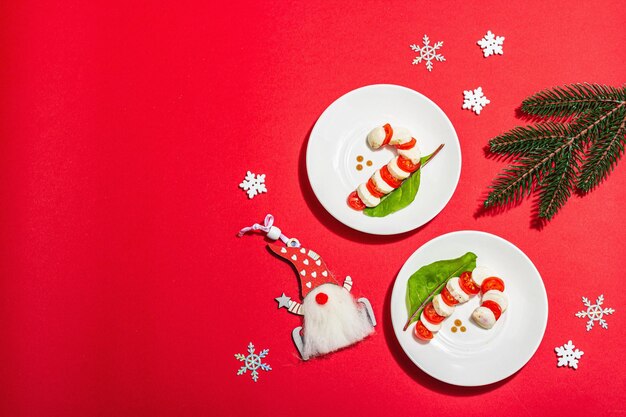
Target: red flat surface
<point>125,129</point>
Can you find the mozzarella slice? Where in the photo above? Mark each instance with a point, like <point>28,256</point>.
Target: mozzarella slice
<point>380,184</point>
<point>456,291</point>
<point>400,136</point>
<point>395,170</point>
<point>432,327</point>
<point>366,197</point>
<point>480,273</point>
<point>497,297</point>
<point>441,307</point>
<point>484,317</point>
<point>412,153</point>
<point>376,137</point>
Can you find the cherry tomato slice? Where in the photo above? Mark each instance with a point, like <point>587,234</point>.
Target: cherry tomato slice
<point>448,298</point>
<point>355,202</point>
<point>431,314</point>
<point>492,283</point>
<point>372,189</point>
<point>493,306</point>
<point>388,133</point>
<point>407,145</point>
<point>467,283</point>
<point>388,178</point>
<point>422,332</point>
<point>406,165</point>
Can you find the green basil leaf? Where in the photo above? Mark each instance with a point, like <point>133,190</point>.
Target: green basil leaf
<point>429,280</point>
<point>401,196</point>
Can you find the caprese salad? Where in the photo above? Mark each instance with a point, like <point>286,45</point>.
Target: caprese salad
<point>459,290</point>
<point>390,176</point>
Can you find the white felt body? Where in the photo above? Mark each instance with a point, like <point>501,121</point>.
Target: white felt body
<point>339,323</point>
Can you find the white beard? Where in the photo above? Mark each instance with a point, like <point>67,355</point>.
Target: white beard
<point>334,325</point>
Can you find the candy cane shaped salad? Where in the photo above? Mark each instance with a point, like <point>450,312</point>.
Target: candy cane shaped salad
<point>390,177</point>
<point>435,289</point>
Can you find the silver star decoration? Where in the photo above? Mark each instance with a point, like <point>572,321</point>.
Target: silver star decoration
<point>283,301</point>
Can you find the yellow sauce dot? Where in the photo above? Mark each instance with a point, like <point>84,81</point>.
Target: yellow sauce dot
<point>359,158</point>
<point>453,330</point>
<point>359,167</point>
<point>458,322</point>
<point>463,328</point>
<point>369,163</point>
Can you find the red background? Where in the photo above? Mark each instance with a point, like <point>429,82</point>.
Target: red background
<point>125,129</point>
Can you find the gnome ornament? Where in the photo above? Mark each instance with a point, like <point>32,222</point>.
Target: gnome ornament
<point>332,318</point>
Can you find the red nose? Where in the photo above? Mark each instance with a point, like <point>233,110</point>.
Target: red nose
<point>321,298</point>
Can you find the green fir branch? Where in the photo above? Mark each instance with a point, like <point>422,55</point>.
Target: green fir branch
<point>572,100</point>
<point>525,139</point>
<point>551,156</point>
<point>517,181</point>
<point>604,153</point>
<point>557,187</point>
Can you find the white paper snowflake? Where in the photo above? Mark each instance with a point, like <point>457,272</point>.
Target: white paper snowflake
<point>253,362</point>
<point>567,356</point>
<point>595,312</point>
<point>427,53</point>
<point>254,184</point>
<point>491,44</point>
<point>475,100</point>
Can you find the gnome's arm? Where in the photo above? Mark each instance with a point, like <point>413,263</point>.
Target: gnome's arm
<point>295,308</point>
<point>347,283</point>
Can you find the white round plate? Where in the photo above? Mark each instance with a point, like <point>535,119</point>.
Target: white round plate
<point>477,356</point>
<point>339,136</point>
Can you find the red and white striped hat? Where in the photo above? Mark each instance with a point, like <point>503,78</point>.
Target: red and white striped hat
<point>311,269</point>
